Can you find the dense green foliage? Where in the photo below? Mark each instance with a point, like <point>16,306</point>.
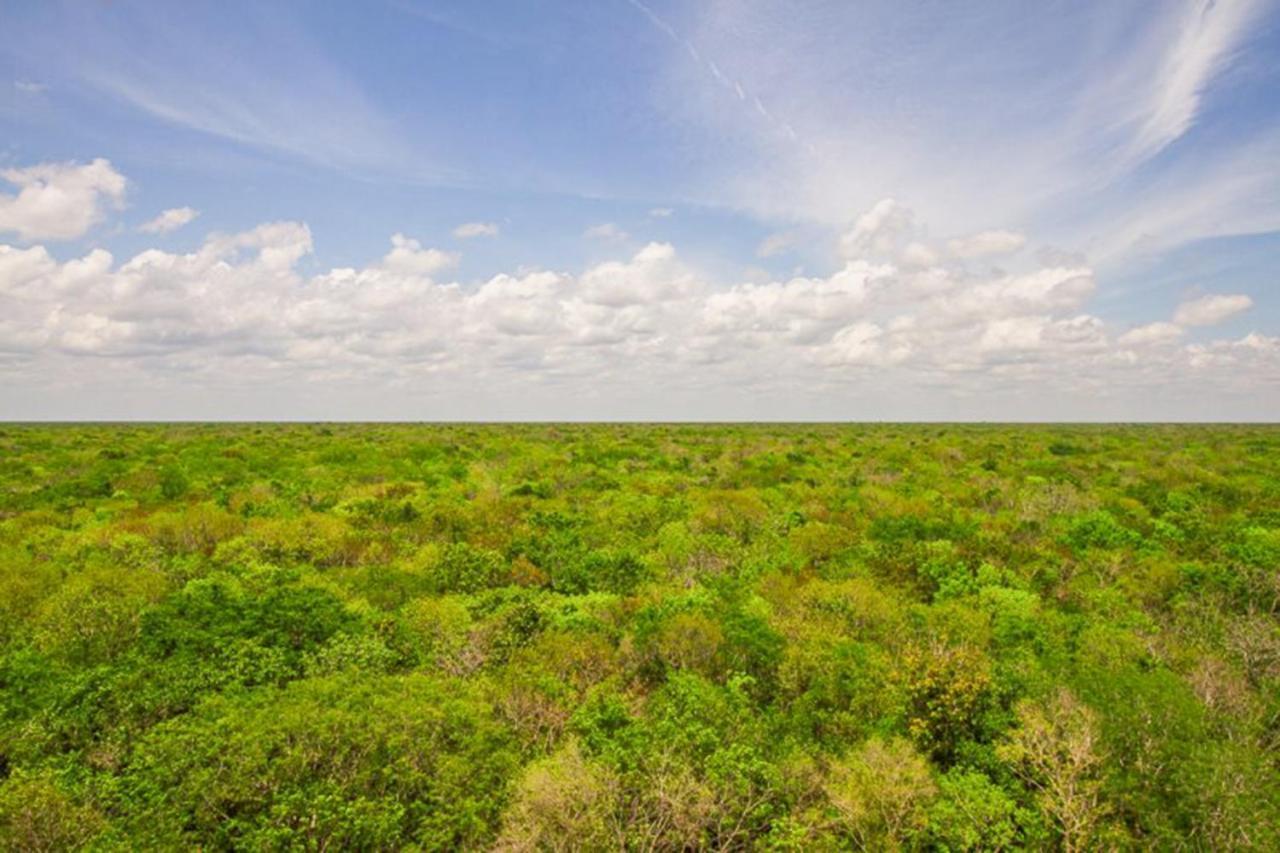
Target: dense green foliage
<point>654,637</point>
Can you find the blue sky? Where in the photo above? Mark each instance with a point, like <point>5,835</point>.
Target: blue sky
<point>621,209</point>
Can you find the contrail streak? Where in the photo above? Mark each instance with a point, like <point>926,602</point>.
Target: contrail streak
<point>732,85</point>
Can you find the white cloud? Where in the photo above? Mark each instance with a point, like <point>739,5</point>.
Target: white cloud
<point>1152,333</point>
<point>1211,310</point>
<point>986,244</point>
<point>169,220</point>
<point>919,255</point>
<point>878,230</point>
<point>864,344</point>
<point>409,258</point>
<point>1244,352</point>
<point>651,275</point>
<point>279,245</point>
<point>59,201</point>
<point>1012,333</point>
<point>660,212</point>
<point>239,312</point>
<point>30,87</point>
<point>468,230</point>
<point>606,231</point>
<point>801,310</point>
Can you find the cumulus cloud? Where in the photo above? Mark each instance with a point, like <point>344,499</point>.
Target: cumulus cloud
<point>408,257</point>
<point>804,311</point>
<point>59,201</point>
<point>278,246</point>
<point>651,275</point>
<point>1152,333</point>
<point>240,309</point>
<point>607,231</point>
<point>169,220</point>
<point>878,230</point>
<point>469,230</point>
<point>1211,310</point>
<point>918,255</point>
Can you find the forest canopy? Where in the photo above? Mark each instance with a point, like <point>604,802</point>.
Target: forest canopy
<point>529,637</point>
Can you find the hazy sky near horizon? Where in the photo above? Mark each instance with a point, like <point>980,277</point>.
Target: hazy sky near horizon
<point>636,209</point>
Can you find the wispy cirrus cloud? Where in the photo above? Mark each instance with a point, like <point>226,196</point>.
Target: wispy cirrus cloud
<point>263,84</point>
<point>1207,35</point>
<point>1042,120</point>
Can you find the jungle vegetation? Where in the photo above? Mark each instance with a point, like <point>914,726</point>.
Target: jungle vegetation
<point>646,637</point>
